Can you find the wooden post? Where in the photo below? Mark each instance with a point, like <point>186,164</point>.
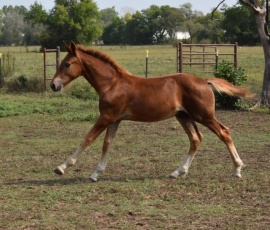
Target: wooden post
<point>216,58</point>
<point>45,64</point>
<point>180,48</point>
<point>235,55</point>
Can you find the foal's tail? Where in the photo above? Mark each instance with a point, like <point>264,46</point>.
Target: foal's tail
<point>223,86</point>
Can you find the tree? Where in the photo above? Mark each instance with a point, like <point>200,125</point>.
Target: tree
<point>193,28</point>
<point>36,14</point>
<point>114,33</point>
<point>36,18</point>
<point>191,20</point>
<point>153,25</point>
<point>171,20</point>
<point>241,29</point>
<point>108,15</point>
<point>138,31</point>
<point>72,20</point>
<point>12,25</point>
<point>260,11</point>
<point>211,31</point>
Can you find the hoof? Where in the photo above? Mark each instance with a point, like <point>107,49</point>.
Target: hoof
<point>177,173</point>
<point>94,177</point>
<point>237,172</point>
<point>174,175</point>
<point>59,171</point>
<point>237,175</point>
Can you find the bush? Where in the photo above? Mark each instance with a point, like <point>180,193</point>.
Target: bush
<point>234,75</point>
<point>82,90</point>
<point>24,84</point>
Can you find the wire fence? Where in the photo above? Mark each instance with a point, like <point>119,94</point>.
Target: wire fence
<point>162,60</point>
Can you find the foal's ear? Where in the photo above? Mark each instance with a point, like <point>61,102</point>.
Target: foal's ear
<point>67,47</point>
<point>73,48</point>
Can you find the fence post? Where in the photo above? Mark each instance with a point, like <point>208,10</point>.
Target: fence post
<point>57,57</point>
<point>216,58</point>
<point>203,57</point>
<point>146,62</point>
<point>45,64</point>
<point>235,55</point>
<point>180,51</point>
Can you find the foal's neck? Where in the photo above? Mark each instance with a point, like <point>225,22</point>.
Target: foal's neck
<point>99,74</point>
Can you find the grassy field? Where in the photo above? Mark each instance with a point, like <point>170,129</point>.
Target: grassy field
<point>162,61</point>
<point>39,131</point>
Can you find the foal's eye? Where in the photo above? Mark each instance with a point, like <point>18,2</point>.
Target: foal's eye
<point>67,64</point>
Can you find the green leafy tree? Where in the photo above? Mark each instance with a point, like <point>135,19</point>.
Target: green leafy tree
<point>191,23</point>
<point>36,17</point>
<point>241,29</point>
<point>151,25</point>
<point>108,16</point>
<point>171,19</point>
<point>155,23</point>
<point>36,14</point>
<point>72,20</point>
<point>114,33</point>
<point>138,31</point>
<point>211,31</point>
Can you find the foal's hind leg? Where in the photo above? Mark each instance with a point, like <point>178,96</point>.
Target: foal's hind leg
<point>110,134</point>
<point>195,138</point>
<point>223,133</point>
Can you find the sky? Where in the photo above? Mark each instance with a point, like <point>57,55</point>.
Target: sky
<point>123,6</point>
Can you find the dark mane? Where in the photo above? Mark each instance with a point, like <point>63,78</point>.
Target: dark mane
<point>102,57</point>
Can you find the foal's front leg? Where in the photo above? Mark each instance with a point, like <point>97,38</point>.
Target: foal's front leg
<point>110,134</point>
<point>97,129</point>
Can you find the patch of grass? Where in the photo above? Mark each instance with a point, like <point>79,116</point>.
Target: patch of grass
<point>134,192</point>
<point>70,109</point>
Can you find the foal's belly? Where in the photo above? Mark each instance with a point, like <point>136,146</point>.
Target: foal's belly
<point>151,113</point>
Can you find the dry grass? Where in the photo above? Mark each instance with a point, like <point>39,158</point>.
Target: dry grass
<point>37,133</point>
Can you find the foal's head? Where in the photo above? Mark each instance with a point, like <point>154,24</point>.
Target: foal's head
<point>69,69</point>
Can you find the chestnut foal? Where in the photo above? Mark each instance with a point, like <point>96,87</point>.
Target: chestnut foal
<point>123,96</point>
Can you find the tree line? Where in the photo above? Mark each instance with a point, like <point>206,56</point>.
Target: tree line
<point>82,22</point>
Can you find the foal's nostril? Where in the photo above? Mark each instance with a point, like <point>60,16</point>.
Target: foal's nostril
<point>53,87</point>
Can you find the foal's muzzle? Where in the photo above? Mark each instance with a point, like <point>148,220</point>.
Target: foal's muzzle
<point>54,87</point>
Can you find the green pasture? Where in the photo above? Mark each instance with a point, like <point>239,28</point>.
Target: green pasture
<point>162,61</point>
<point>39,131</point>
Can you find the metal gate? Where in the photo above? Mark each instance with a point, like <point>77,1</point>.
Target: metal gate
<point>204,55</point>
<point>57,52</point>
